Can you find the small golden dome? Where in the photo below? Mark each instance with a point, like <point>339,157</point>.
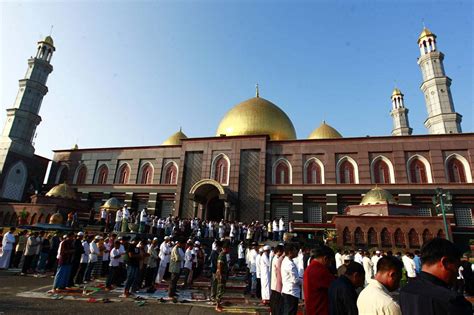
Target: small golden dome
<point>62,191</point>
<point>175,139</point>
<point>257,116</point>
<point>324,131</point>
<point>377,196</point>
<point>112,204</point>
<point>56,218</point>
<point>49,40</point>
<point>425,33</point>
<point>396,91</point>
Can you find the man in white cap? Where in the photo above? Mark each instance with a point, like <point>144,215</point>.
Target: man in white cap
<point>375,260</point>
<point>165,251</point>
<point>7,246</point>
<point>118,220</point>
<point>93,257</point>
<point>265,274</point>
<point>143,220</point>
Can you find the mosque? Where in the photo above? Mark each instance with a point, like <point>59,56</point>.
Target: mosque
<point>255,168</point>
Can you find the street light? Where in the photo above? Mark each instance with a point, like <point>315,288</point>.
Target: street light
<point>441,201</point>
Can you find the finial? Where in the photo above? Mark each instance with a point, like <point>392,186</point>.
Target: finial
<point>180,129</point>
<point>324,121</point>
<point>256,90</point>
<point>51,30</point>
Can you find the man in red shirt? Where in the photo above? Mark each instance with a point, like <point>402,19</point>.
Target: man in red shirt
<point>317,279</point>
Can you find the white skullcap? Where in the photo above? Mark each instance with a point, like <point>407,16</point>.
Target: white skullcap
<point>267,247</point>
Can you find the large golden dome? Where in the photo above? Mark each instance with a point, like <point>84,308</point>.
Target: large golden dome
<point>257,116</point>
<point>62,191</point>
<point>175,139</point>
<point>324,131</point>
<point>377,196</point>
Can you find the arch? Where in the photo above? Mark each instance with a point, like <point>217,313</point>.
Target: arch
<point>385,238</point>
<point>204,182</point>
<point>15,181</point>
<point>346,236</point>
<point>40,218</point>
<point>440,234</point>
<point>457,169</point>
<point>381,170</point>
<point>426,236</point>
<point>62,174</point>
<point>347,171</point>
<point>419,170</point>
<point>146,172</point>
<point>33,219</point>
<point>220,169</point>
<point>313,171</point>
<point>102,174</point>
<point>358,236</point>
<point>81,175</point>
<point>372,237</point>
<point>282,172</point>
<point>170,173</point>
<point>123,174</point>
<point>413,239</point>
<point>399,238</point>
<point>48,217</point>
<point>13,219</point>
<point>6,219</point>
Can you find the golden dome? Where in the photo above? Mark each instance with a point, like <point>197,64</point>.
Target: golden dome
<point>257,116</point>
<point>112,204</point>
<point>377,196</point>
<point>425,33</point>
<point>49,40</point>
<point>62,191</point>
<point>56,218</point>
<point>396,91</point>
<point>324,131</point>
<point>175,139</point>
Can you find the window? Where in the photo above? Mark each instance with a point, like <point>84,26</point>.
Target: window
<point>313,172</point>
<point>418,172</point>
<point>123,174</point>
<point>423,212</point>
<point>426,235</point>
<point>381,172</point>
<point>314,213</point>
<point>413,239</point>
<point>399,239</point>
<point>281,174</point>
<point>385,237</point>
<point>456,172</point>
<point>346,236</point>
<point>358,236</point>
<point>147,174</point>
<point>171,174</point>
<point>221,169</point>
<point>463,216</point>
<point>372,237</point>
<point>81,175</point>
<point>347,171</point>
<point>103,173</point>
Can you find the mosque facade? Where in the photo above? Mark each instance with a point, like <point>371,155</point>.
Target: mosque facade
<point>255,168</point>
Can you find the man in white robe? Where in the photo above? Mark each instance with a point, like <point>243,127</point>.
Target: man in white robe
<point>7,248</point>
<point>265,274</point>
<point>164,255</point>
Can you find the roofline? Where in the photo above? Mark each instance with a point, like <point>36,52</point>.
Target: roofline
<point>218,138</point>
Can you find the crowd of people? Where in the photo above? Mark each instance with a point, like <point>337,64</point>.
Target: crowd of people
<point>281,276</point>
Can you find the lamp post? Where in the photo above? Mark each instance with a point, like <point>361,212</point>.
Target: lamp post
<point>439,200</point>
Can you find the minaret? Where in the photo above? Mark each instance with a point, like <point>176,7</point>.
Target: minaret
<point>23,117</point>
<point>442,117</point>
<point>401,125</point>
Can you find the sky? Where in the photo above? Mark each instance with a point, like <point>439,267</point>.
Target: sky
<point>131,73</point>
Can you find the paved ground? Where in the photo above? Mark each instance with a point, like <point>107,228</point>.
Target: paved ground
<point>27,295</point>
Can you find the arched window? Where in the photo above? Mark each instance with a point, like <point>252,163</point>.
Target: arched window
<point>282,172</point>
<point>40,218</point>
<point>358,236</point>
<point>47,218</point>
<point>33,218</point>
<point>81,175</point>
<point>147,174</point>
<point>419,170</point>
<point>456,172</point>
<point>347,171</point>
<point>313,172</point>
<point>440,234</point>
<point>62,174</point>
<point>413,239</point>
<point>221,169</point>
<point>385,237</point>
<point>123,174</point>
<point>15,181</point>
<point>426,236</point>
<point>382,171</point>
<point>372,237</point>
<point>346,236</point>
<point>171,174</point>
<point>13,219</point>
<point>399,239</point>
<point>102,174</point>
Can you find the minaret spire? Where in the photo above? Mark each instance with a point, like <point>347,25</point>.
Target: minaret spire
<point>257,93</point>
<point>401,125</point>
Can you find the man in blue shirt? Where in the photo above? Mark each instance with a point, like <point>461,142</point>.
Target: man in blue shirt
<point>417,260</point>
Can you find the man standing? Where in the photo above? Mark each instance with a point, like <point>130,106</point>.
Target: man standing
<point>126,217</point>
<point>342,292</point>
<point>83,261</point>
<point>133,267</point>
<point>221,275</point>
<point>281,228</point>
<point>291,284</point>
<point>368,267</point>
<point>65,254</point>
<point>176,263</point>
<point>164,256</point>
<point>275,229</point>
<point>7,246</point>
<point>188,264</point>
<point>410,266</point>
<point>417,261</point>
<point>103,216</point>
<point>143,220</point>
<point>118,220</point>
<point>375,298</point>
<point>317,279</point>
<point>338,258</point>
<point>275,280</point>
<point>258,287</point>
<point>76,259</point>
<point>431,293</point>
<point>358,257</point>
<point>213,265</point>
<point>114,264</point>
<point>30,252</point>
<point>375,258</point>
<point>265,274</point>
<point>251,262</point>
<point>20,248</point>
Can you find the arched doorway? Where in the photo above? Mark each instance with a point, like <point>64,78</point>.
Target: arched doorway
<point>210,201</point>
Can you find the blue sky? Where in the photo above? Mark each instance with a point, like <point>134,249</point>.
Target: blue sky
<point>129,73</point>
